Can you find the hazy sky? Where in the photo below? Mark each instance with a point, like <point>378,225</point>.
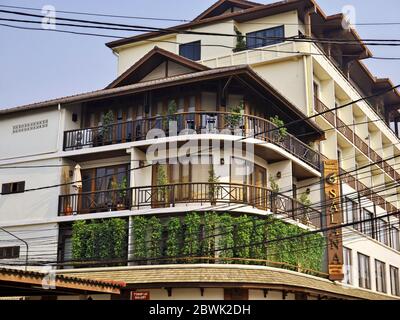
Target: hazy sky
<point>39,65</point>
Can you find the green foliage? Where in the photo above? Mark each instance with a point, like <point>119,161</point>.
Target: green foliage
<point>155,230</point>
<point>191,246</point>
<point>306,202</point>
<point>139,237</point>
<point>243,237</point>
<point>232,236</point>
<point>99,240</point>
<point>305,252</point>
<point>258,236</point>
<point>213,179</point>
<point>210,220</point>
<point>122,186</point>
<point>234,118</point>
<point>162,180</point>
<point>280,124</point>
<point>174,235</point>
<point>108,120</point>
<point>240,41</point>
<point>226,239</point>
<point>273,184</point>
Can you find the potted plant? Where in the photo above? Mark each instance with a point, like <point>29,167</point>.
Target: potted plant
<point>274,186</point>
<point>213,186</point>
<point>68,210</point>
<point>171,115</point>
<point>304,199</point>
<point>240,42</point>
<point>162,181</point>
<point>234,118</point>
<point>282,132</point>
<point>105,131</point>
<point>122,193</point>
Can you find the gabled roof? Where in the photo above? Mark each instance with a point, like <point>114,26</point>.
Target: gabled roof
<point>149,62</point>
<point>221,6</point>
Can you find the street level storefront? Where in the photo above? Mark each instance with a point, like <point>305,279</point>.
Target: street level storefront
<point>227,282</point>
<point>20,283</point>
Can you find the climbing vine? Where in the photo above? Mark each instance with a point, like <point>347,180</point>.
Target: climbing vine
<point>174,229</point>
<point>243,238</point>
<point>209,234</point>
<point>155,230</point>
<point>258,251</point>
<point>99,240</point>
<point>210,227</point>
<point>191,246</point>
<point>139,237</point>
<point>226,239</point>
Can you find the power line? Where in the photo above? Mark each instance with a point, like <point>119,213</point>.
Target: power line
<point>187,20</point>
<point>171,29</point>
<point>202,45</point>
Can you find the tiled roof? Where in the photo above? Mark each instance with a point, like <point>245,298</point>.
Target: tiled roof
<point>250,276</point>
<point>61,281</point>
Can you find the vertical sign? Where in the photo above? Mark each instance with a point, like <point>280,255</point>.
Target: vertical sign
<point>333,218</point>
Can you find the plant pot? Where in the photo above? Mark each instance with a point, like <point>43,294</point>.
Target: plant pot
<point>68,211</point>
<point>120,207</point>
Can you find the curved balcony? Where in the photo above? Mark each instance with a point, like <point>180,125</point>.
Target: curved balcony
<point>173,195</point>
<point>193,123</point>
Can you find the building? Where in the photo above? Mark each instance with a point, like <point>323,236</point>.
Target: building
<point>188,189</point>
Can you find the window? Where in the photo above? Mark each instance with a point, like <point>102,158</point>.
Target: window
<point>13,187</point>
<point>395,238</point>
<point>364,273</point>
<point>367,226</point>
<point>380,276</point>
<point>191,50</point>
<point>265,37</point>
<point>382,231</point>
<point>394,281</point>
<point>9,252</point>
<point>351,213</point>
<point>347,265</point>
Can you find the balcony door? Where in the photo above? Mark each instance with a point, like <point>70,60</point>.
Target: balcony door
<point>98,185</point>
<point>259,182</point>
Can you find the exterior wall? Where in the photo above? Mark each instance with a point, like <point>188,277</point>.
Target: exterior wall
<point>42,240</point>
<point>26,143</point>
<point>187,294</point>
<point>127,56</point>
<point>35,205</point>
<point>288,77</point>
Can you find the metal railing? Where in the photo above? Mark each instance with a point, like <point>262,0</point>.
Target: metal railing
<point>191,123</point>
<point>171,195</point>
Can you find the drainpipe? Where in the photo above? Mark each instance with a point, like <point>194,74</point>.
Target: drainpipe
<point>26,244</point>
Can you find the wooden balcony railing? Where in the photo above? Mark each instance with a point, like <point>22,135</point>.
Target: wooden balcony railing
<point>170,195</point>
<point>191,123</point>
<point>355,139</point>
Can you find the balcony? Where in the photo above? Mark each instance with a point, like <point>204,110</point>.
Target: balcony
<point>173,195</point>
<point>355,139</point>
<point>192,123</point>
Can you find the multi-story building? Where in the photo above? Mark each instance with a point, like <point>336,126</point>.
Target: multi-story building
<point>175,180</point>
